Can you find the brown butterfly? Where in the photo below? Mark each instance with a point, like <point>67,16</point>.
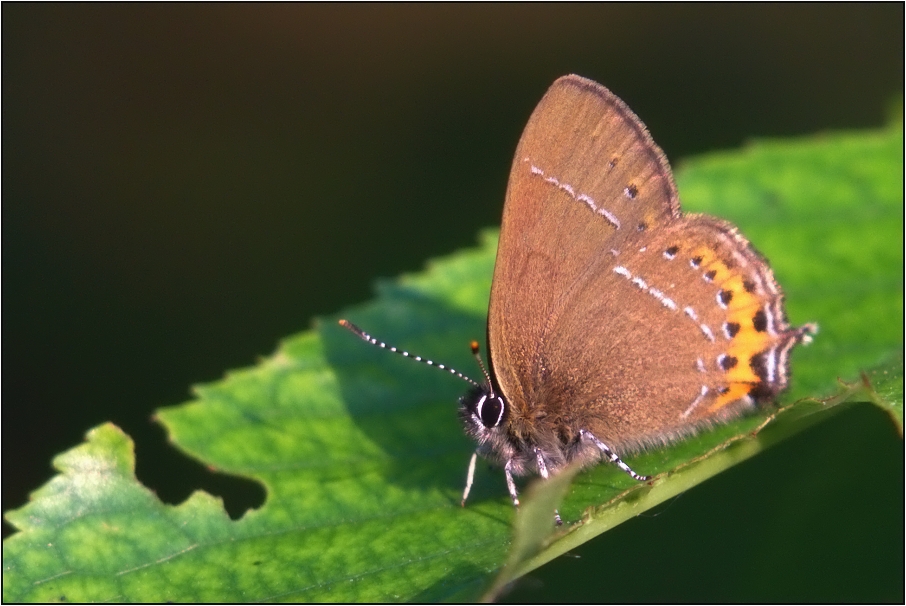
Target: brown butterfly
<point>616,322</point>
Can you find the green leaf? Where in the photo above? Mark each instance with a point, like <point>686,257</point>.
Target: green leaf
<point>364,460</point>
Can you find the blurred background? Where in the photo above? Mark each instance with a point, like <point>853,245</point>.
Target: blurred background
<point>184,185</point>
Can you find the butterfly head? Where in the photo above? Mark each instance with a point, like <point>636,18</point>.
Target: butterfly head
<point>484,413</point>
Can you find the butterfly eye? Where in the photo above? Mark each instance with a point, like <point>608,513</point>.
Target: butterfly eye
<point>490,410</point>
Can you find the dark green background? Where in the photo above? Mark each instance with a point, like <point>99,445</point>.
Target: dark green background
<point>183,185</point>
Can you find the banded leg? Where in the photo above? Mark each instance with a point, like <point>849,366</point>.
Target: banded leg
<point>510,484</point>
<point>542,469</point>
<point>611,455</point>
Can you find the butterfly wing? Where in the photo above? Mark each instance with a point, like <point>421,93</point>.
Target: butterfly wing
<point>606,310</point>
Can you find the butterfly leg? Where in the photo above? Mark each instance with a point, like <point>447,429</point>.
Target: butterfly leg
<point>614,458</point>
<point>510,484</point>
<point>542,469</point>
<point>470,476</point>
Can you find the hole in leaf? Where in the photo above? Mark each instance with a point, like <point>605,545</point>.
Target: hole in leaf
<point>173,476</point>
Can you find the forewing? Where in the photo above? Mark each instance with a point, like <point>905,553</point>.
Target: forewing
<point>585,179</point>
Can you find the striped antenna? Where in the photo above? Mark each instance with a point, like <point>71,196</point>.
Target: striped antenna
<point>487,377</point>
<point>369,339</point>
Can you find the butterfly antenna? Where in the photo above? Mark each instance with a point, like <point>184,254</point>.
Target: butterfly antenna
<point>369,339</point>
<point>476,351</point>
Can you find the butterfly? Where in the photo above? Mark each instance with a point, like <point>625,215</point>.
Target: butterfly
<point>616,322</point>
